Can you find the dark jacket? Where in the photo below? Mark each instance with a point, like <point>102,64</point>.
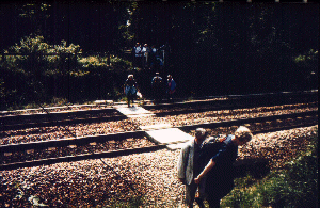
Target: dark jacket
<point>220,180</point>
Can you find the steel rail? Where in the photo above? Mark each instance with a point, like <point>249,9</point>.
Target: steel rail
<point>140,133</point>
<point>113,153</point>
<point>64,122</point>
<point>129,151</point>
<point>241,121</point>
<point>14,122</point>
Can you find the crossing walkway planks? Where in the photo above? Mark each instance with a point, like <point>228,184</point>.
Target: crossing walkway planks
<point>161,133</point>
<point>170,135</point>
<point>133,111</point>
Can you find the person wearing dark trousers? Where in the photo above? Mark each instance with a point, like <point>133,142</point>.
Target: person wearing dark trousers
<point>218,172</point>
<point>157,87</point>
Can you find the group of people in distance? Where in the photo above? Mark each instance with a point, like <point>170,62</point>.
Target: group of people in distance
<point>145,56</point>
<point>159,87</point>
<point>206,165</point>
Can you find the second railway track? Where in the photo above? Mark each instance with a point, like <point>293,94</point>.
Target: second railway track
<point>68,150</point>
<point>62,116</point>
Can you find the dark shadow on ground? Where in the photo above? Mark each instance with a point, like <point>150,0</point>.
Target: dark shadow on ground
<point>257,167</point>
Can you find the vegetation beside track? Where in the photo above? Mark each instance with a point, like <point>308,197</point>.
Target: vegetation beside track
<point>296,186</point>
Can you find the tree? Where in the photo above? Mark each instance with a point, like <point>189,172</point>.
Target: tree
<point>36,15</point>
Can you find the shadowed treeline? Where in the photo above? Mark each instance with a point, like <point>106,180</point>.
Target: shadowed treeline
<point>213,48</point>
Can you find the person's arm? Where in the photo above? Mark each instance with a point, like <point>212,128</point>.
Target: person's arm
<point>173,86</point>
<point>215,159</point>
<point>182,163</point>
<point>206,170</point>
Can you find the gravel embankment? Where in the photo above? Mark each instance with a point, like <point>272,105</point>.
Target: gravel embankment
<point>92,183</point>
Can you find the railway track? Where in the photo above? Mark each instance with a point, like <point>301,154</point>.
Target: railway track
<point>63,116</point>
<point>86,147</point>
<point>66,147</point>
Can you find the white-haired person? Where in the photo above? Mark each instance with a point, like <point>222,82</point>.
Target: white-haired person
<point>130,89</point>
<point>218,172</point>
<point>188,166</point>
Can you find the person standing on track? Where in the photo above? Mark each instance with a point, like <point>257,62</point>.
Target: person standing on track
<point>157,86</point>
<point>130,89</point>
<point>188,167</point>
<point>171,88</point>
<point>218,173</point>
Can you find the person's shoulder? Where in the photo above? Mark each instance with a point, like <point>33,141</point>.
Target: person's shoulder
<point>229,138</point>
<point>187,144</point>
<point>213,142</point>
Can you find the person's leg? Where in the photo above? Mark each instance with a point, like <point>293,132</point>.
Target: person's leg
<point>214,202</point>
<point>168,96</point>
<point>199,202</point>
<point>172,97</point>
<point>201,191</point>
<point>133,94</point>
<point>128,102</point>
<point>157,96</point>
<point>190,192</point>
<point>129,97</point>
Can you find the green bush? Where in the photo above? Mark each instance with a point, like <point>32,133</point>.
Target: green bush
<point>28,68</point>
<point>121,64</point>
<point>243,195</point>
<point>93,63</point>
<point>39,72</point>
<point>297,186</point>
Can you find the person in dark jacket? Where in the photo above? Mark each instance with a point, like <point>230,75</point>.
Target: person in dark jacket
<point>218,173</point>
<point>157,86</point>
<point>171,88</point>
<point>130,89</point>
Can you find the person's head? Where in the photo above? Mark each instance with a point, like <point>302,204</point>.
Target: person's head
<point>130,76</point>
<point>200,134</point>
<point>169,77</point>
<point>243,135</point>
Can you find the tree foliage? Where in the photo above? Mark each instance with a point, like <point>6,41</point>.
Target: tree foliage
<point>37,71</point>
<point>215,48</point>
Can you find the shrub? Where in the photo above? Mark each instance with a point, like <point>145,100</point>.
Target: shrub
<point>297,186</point>
<point>92,62</point>
<point>121,64</point>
